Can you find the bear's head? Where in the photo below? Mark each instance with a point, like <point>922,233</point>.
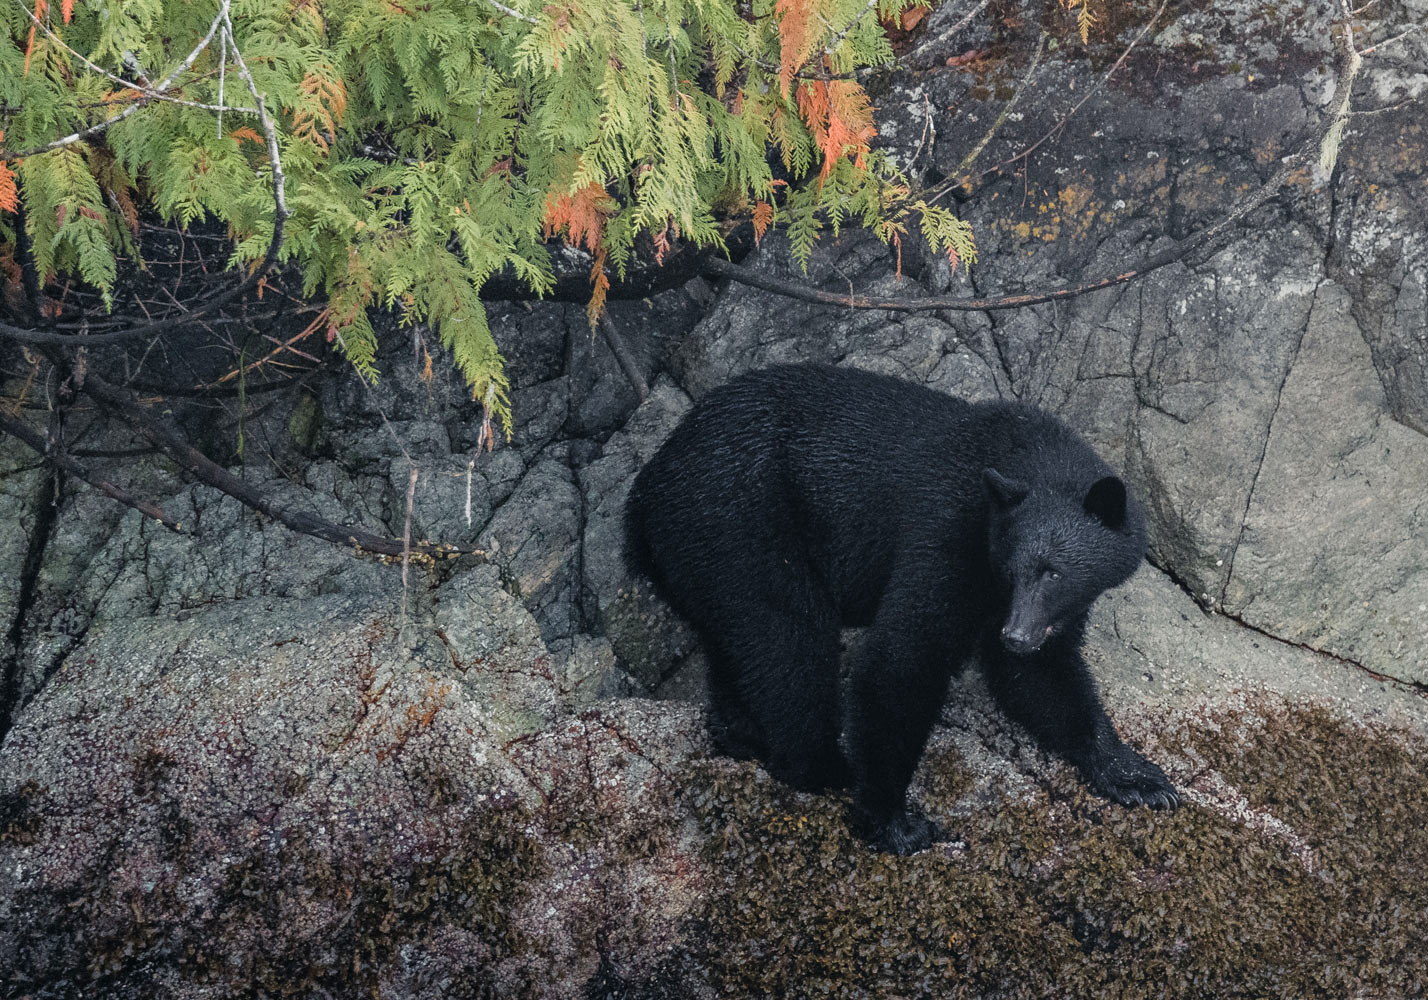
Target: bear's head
<point>1054,551</point>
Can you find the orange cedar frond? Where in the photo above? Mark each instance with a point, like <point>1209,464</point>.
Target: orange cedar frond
<point>9,194</point>
<point>600,284</point>
<point>840,116</point>
<point>799,30</point>
<point>239,134</point>
<point>41,9</point>
<point>66,9</point>
<point>319,115</point>
<point>125,203</point>
<point>580,216</point>
<point>661,244</point>
<point>126,94</point>
<point>848,103</point>
<point>763,217</point>
<point>11,290</point>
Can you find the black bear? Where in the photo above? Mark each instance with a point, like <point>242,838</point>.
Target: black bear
<point>801,498</point>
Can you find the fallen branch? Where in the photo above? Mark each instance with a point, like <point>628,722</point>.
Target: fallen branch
<point>933,43</point>
<point>624,357</point>
<point>22,431</point>
<point>170,442</point>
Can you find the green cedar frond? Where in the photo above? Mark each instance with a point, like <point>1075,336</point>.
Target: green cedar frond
<point>425,145</point>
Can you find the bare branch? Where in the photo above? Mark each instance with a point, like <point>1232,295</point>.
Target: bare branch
<point>269,130</point>
<point>623,356</point>
<point>203,468</point>
<point>509,12</point>
<point>22,431</point>
<point>149,93</point>
<point>1095,88</point>
<point>1395,106</point>
<point>1389,41</point>
<point>1349,65</point>
<point>1002,116</point>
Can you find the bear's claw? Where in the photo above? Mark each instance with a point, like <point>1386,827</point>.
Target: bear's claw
<point>1128,778</point>
<point>1156,798</point>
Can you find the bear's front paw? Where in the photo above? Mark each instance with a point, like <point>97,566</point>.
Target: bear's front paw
<point>1126,777</point>
<point>904,833</point>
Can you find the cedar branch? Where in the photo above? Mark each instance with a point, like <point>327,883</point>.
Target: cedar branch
<point>280,214</point>
<point>149,93</point>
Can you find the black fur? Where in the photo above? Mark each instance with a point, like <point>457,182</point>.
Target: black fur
<point>801,498</point>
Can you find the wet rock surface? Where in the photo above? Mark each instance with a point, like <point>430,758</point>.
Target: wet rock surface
<point>244,761</point>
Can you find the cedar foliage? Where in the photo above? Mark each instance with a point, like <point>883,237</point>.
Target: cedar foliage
<point>428,146</point>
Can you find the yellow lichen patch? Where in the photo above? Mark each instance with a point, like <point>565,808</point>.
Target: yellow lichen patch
<point>1074,198</point>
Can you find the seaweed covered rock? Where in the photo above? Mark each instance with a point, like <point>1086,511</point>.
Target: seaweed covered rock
<point>1273,881</point>
<point>238,767</point>
<point>297,797</point>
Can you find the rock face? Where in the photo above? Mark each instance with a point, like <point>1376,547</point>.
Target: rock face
<point>239,761</point>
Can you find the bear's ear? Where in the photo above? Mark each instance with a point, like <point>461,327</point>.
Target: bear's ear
<point>1005,493</point>
<point>1106,502</point>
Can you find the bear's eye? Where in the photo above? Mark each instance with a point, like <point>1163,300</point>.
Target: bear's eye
<point>1050,574</point>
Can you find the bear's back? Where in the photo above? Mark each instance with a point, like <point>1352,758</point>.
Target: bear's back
<point>840,464</point>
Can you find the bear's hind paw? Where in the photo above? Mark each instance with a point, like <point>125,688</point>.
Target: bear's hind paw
<point>905,833</point>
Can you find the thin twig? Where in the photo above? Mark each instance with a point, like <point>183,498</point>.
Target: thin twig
<point>1002,116</point>
<point>1395,106</point>
<point>932,42</point>
<point>407,536</point>
<point>109,123</point>
<point>1389,41</point>
<point>1095,89</point>
<point>306,331</point>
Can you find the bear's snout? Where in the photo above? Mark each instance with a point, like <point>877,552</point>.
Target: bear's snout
<point>1020,640</point>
